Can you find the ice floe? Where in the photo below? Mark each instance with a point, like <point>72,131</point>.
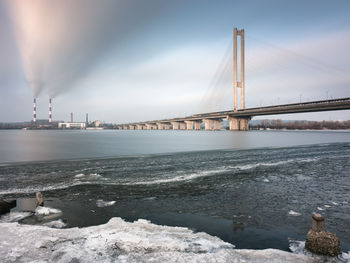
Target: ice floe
<point>101,203</point>
<point>181,178</point>
<point>293,213</point>
<point>121,241</point>
<point>92,176</point>
<point>55,224</point>
<point>43,210</point>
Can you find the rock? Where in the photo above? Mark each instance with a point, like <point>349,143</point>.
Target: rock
<point>5,207</point>
<point>321,242</point>
<point>39,199</point>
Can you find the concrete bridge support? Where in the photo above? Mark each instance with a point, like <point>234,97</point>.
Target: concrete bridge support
<point>189,125</point>
<point>212,124</point>
<point>176,125</point>
<point>238,124</point>
<point>166,126</point>
<point>151,126</point>
<point>244,124</point>
<point>208,123</point>
<point>197,125</point>
<point>160,126</point>
<point>182,125</point>
<point>217,124</point>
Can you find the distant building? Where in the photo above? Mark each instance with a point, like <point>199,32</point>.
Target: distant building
<point>97,123</point>
<point>71,125</point>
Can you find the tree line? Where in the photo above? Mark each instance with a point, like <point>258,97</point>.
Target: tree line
<point>301,125</point>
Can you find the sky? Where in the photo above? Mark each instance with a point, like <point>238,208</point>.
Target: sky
<point>132,60</point>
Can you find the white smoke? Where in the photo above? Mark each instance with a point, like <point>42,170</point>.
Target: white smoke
<point>61,40</point>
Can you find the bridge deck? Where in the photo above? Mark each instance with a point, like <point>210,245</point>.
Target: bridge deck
<point>314,106</point>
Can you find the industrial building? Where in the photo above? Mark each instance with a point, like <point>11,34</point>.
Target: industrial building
<point>71,125</point>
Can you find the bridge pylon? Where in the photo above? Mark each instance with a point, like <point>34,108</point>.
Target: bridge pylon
<point>238,84</point>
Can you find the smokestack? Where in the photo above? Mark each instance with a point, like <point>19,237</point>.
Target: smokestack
<point>34,111</point>
<point>87,120</point>
<point>71,117</point>
<point>50,111</point>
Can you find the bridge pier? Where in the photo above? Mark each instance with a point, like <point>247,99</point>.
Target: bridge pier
<point>182,125</point>
<point>151,126</point>
<point>175,125</point>
<point>197,125</point>
<point>139,127</point>
<point>160,126</point>
<point>208,124</point>
<point>217,124</point>
<point>189,125</point>
<point>238,124</point>
<point>193,125</point>
<point>212,124</point>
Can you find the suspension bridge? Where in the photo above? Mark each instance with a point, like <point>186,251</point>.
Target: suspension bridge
<point>239,117</point>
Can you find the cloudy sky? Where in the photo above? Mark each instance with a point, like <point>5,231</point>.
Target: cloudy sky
<point>133,60</point>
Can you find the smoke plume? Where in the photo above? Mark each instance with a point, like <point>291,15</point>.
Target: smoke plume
<point>61,40</point>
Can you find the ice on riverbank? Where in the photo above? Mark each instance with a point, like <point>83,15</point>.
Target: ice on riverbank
<point>121,241</point>
<point>14,216</point>
<point>55,224</point>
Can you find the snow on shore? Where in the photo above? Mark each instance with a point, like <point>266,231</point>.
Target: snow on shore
<point>121,241</point>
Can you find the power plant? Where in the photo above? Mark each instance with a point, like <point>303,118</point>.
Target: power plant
<point>34,111</point>
<point>50,124</point>
<point>50,111</point>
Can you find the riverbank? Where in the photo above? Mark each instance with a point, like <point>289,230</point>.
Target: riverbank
<point>139,241</point>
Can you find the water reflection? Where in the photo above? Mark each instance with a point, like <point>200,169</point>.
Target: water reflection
<point>32,145</point>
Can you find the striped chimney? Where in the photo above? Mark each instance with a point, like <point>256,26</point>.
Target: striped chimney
<point>50,111</point>
<point>34,111</point>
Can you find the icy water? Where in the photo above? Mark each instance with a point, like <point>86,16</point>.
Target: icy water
<point>259,192</point>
